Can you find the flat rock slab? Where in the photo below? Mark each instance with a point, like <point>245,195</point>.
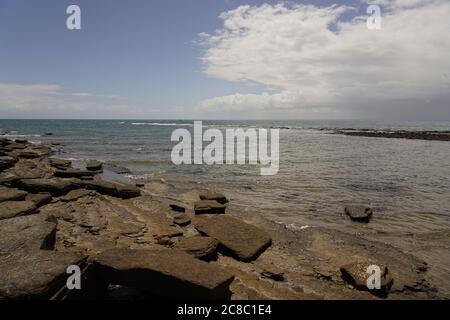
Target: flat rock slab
<point>359,213</point>
<point>39,199</point>
<point>204,248</point>
<point>181,219</point>
<point>111,188</point>
<point>60,163</point>
<point>74,195</point>
<point>357,275</point>
<point>94,165</point>
<point>36,276</point>
<point>208,207</point>
<point>74,173</point>
<point>11,194</point>
<point>11,209</point>
<point>243,241</point>
<point>166,273</point>
<point>55,187</point>
<point>28,233</point>
<point>213,196</point>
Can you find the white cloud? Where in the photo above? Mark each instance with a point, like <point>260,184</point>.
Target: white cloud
<point>320,63</point>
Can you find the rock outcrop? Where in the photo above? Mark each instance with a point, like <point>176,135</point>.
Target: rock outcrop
<point>208,207</point>
<point>11,209</point>
<point>160,272</point>
<point>204,248</point>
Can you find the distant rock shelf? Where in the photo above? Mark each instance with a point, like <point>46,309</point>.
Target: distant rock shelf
<point>398,134</point>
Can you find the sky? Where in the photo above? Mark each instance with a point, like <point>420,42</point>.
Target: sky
<point>225,59</point>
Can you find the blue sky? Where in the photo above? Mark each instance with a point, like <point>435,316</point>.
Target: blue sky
<point>140,54</point>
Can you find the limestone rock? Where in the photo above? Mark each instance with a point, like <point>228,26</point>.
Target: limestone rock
<point>357,275</point>
<point>11,194</point>
<point>11,209</point>
<point>74,195</point>
<point>204,248</point>
<point>54,186</point>
<point>243,241</point>
<point>60,163</point>
<point>94,165</point>
<point>213,196</point>
<point>36,276</point>
<point>182,219</point>
<point>28,234</point>
<point>208,207</point>
<point>39,199</point>
<point>166,273</point>
<point>359,213</point>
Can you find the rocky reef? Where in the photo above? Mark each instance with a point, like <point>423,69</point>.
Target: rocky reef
<point>134,243</point>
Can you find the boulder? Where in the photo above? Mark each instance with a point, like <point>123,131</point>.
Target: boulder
<point>11,209</point>
<point>54,186</point>
<point>357,275</point>
<point>165,273</point>
<point>27,234</point>
<point>11,194</point>
<point>61,164</point>
<point>39,199</point>
<point>358,213</point>
<point>181,219</point>
<point>94,165</point>
<point>6,162</point>
<point>208,207</point>
<point>177,208</point>
<point>204,248</point>
<point>241,240</point>
<point>213,196</point>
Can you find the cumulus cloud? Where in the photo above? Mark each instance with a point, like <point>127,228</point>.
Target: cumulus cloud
<point>319,62</point>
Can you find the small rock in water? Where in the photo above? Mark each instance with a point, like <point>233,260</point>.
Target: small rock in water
<point>208,207</point>
<point>60,163</point>
<point>181,219</point>
<point>220,198</point>
<point>177,208</point>
<point>94,165</point>
<point>359,213</point>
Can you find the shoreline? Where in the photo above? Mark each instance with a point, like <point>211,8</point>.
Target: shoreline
<point>92,215</point>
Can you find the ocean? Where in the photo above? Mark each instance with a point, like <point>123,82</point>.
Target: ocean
<point>406,182</point>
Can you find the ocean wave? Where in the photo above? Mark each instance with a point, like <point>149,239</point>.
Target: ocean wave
<point>160,124</point>
<point>9,135</point>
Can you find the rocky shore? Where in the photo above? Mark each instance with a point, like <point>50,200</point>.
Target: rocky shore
<point>398,134</point>
<point>141,243</point>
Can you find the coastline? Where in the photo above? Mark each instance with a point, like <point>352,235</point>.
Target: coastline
<point>94,215</point>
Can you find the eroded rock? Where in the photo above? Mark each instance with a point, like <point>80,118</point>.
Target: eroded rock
<point>204,248</point>
<point>213,196</point>
<point>11,194</point>
<point>241,240</point>
<point>208,207</point>
<point>11,209</point>
<point>160,271</point>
